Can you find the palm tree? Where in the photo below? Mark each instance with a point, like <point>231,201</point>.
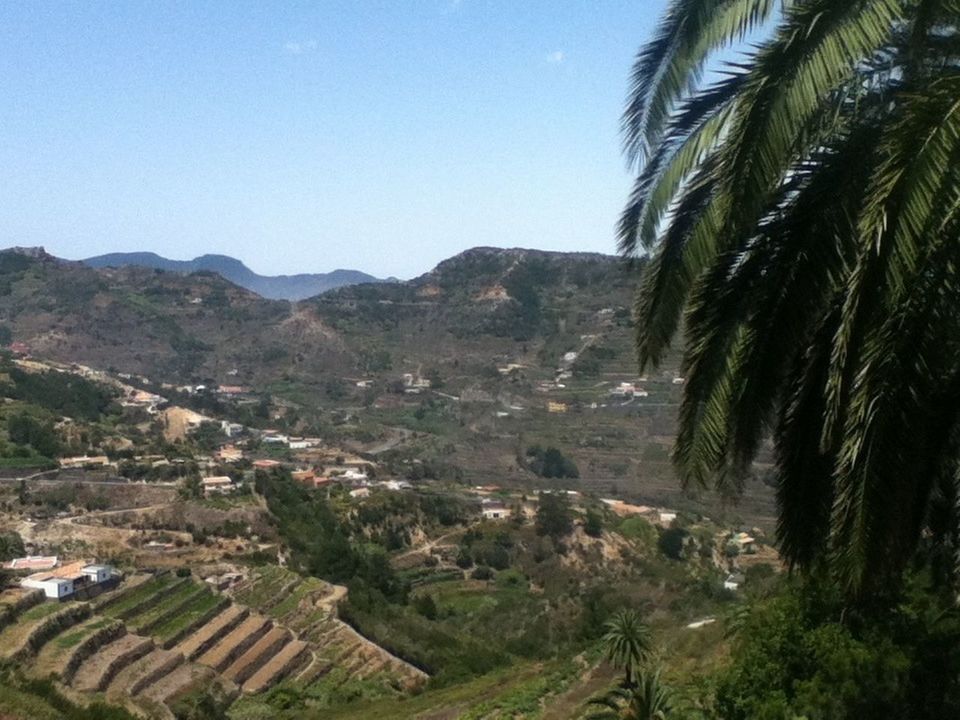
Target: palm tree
<point>800,214</point>
<point>648,699</point>
<point>626,644</point>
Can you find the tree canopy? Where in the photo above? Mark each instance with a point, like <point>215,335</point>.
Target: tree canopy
<point>799,211</point>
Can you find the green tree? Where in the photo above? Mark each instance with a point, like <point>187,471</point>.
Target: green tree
<point>649,699</point>
<point>11,546</point>
<point>800,214</point>
<point>192,488</point>
<point>593,523</point>
<point>627,644</point>
<point>554,516</point>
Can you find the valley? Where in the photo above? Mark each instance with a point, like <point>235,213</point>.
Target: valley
<point>329,508</point>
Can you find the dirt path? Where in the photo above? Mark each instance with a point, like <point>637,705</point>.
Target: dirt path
<point>401,434</point>
<point>572,703</point>
<point>427,546</point>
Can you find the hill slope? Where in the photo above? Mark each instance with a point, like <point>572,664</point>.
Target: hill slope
<point>467,369</point>
<point>274,287</point>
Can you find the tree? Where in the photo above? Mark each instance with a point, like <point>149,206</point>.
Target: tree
<point>800,214</point>
<point>626,644</point>
<point>671,542</point>
<point>11,546</point>
<point>649,699</point>
<point>593,523</point>
<point>554,516</point>
<point>191,488</point>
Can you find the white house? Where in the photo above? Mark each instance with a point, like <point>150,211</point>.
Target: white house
<point>98,573</point>
<point>494,510</point>
<point>64,581</point>
<point>53,588</point>
<point>218,485</point>
<point>733,581</point>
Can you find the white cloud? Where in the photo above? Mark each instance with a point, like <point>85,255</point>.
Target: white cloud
<point>299,47</point>
<point>556,57</point>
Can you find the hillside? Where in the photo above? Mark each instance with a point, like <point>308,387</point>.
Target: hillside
<point>470,370</point>
<point>274,287</point>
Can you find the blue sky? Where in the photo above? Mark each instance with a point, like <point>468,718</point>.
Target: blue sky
<point>382,136</point>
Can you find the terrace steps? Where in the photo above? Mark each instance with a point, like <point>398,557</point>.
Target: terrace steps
<point>62,654</point>
<point>96,672</point>
<point>282,664</point>
<point>181,599</point>
<point>259,653</point>
<point>153,599</point>
<point>208,635</point>
<point>178,680</point>
<point>139,674</point>
<point>235,643</point>
<point>37,625</point>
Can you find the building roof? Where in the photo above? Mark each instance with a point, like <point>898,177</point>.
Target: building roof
<point>217,480</point>
<point>265,463</point>
<point>70,571</point>
<point>32,562</point>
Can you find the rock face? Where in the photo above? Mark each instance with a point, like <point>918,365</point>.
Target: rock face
<point>273,287</point>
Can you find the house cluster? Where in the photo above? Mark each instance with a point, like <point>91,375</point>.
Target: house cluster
<point>217,485</point>
<point>658,516</point>
<point>493,509</point>
<point>354,472</point>
<point>275,437</point>
<point>149,401</point>
<point>229,453</point>
<point>745,543</point>
<point>510,368</point>
<point>85,462</point>
<point>629,390</point>
<point>19,349</point>
<point>414,384</point>
<point>64,581</point>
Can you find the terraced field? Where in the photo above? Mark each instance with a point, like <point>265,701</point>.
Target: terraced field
<point>307,606</point>
<point>159,638</point>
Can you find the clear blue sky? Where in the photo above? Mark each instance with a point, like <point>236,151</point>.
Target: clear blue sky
<point>382,136</point>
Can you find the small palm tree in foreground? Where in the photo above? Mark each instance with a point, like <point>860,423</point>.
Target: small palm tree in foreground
<point>627,644</point>
<point>647,699</point>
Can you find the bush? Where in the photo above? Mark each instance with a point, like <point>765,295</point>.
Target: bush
<point>550,463</point>
<point>482,572</point>
<point>593,523</point>
<point>671,542</point>
<point>464,559</point>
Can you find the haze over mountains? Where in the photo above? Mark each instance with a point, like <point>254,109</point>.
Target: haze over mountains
<point>272,287</point>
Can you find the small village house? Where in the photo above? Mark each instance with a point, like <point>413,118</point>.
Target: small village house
<point>494,510</point>
<point>733,581</point>
<point>83,461</point>
<point>65,581</point>
<point>229,453</point>
<point>217,485</point>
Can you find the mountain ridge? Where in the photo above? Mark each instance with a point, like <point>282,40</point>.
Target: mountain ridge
<point>272,287</point>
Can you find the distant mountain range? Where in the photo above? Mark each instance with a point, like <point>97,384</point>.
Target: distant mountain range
<point>273,287</point>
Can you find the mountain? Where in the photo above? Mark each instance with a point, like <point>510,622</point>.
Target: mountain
<point>489,354</point>
<point>273,287</point>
